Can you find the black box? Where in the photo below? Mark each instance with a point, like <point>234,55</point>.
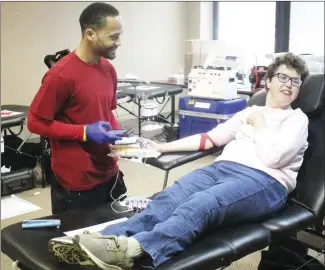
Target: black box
<point>171,133</point>
<point>17,181</point>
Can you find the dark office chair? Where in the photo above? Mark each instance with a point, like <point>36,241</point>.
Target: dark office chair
<point>51,59</point>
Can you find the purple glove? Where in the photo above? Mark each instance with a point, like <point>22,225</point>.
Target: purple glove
<point>98,132</point>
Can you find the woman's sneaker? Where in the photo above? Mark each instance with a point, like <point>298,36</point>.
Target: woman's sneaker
<point>64,249</point>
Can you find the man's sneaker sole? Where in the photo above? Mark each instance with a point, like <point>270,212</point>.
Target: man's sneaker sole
<point>69,253</point>
<point>98,262</point>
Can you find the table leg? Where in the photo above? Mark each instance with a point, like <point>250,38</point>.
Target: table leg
<point>166,179</point>
<point>173,102</point>
<point>139,117</point>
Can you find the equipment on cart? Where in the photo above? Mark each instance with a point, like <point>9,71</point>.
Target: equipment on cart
<point>212,83</point>
<point>215,69</point>
<point>257,78</point>
<point>202,115</point>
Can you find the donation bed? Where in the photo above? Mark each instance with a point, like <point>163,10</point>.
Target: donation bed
<point>220,247</point>
<point>13,120</point>
<point>138,92</point>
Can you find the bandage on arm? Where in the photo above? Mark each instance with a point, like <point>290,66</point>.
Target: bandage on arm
<point>203,141</point>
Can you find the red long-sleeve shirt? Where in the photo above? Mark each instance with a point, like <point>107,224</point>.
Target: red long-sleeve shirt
<point>73,94</point>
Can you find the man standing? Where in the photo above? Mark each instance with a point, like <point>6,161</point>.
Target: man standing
<point>73,108</point>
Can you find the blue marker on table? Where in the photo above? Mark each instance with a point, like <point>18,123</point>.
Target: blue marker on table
<point>41,223</point>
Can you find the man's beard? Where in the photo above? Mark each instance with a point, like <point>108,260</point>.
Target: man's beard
<point>108,53</point>
<point>111,56</point>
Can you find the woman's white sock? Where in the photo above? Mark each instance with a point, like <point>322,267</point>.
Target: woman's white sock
<point>134,249</point>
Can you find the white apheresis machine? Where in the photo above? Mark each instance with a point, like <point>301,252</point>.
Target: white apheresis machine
<point>217,79</point>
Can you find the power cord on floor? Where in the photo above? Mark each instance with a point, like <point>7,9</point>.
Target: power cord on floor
<point>119,198</point>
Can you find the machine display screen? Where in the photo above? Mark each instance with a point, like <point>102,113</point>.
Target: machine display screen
<point>231,58</point>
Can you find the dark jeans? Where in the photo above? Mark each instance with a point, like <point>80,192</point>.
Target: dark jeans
<point>64,199</point>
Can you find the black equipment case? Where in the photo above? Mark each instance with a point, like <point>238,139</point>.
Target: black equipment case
<point>17,181</point>
<point>22,175</point>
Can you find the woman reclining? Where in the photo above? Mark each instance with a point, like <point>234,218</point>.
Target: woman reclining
<point>249,181</point>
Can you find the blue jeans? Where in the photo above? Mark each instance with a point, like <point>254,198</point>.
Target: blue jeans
<point>221,194</point>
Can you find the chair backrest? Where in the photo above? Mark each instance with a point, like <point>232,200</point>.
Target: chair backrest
<point>310,190</point>
<point>51,59</point>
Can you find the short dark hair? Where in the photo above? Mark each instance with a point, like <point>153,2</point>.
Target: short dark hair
<point>95,14</point>
<point>291,61</point>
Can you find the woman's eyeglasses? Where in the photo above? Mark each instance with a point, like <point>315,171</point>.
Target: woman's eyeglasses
<point>285,78</point>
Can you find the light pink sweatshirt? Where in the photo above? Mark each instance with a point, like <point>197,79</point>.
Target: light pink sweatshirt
<point>277,150</point>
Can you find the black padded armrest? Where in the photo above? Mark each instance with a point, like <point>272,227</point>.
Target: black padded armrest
<point>246,93</point>
<point>292,218</point>
<point>220,248</point>
<point>170,161</point>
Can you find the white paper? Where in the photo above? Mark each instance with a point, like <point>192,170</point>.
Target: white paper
<point>134,152</point>
<point>95,228</point>
<point>4,169</point>
<point>15,206</point>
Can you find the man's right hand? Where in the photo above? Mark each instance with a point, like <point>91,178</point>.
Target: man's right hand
<point>99,132</point>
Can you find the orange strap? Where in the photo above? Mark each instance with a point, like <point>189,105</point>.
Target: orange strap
<point>204,138</point>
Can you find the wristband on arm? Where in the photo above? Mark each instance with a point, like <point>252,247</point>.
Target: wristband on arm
<point>84,137</point>
<point>204,138</point>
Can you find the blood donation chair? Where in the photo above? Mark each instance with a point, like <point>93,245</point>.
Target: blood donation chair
<point>217,248</point>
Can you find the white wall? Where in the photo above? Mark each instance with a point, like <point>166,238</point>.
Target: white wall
<point>206,20</point>
<point>307,27</point>
<point>152,43</point>
<point>193,20</point>
<point>199,20</point>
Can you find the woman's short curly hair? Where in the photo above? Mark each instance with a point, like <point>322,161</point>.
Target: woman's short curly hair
<point>291,61</point>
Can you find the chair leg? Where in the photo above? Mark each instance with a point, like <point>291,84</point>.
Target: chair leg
<point>166,179</point>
